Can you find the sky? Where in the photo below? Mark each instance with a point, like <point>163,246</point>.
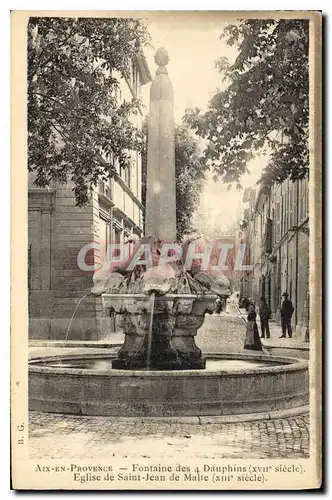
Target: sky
<point>193,48</point>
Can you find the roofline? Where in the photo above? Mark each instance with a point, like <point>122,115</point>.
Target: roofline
<point>143,68</point>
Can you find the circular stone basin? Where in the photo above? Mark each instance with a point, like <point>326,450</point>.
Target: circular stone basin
<point>105,364</point>
<point>230,384</point>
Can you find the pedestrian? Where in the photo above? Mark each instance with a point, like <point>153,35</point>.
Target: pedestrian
<point>218,305</point>
<point>241,303</point>
<point>248,303</point>
<point>264,314</point>
<point>286,314</point>
<point>252,340</point>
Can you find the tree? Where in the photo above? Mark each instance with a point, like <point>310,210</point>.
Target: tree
<point>265,107</point>
<point>77,128</point>
<point>189,173</point>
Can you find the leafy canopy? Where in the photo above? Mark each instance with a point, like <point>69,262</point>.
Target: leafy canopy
<point>77,128</point>
<point>190,169</point>
<point>265,105</point>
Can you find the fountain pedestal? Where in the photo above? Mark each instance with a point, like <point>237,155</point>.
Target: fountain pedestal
<point>176,319</point>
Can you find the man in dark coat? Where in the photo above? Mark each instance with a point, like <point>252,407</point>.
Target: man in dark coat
<point>219,305</point>
<point>286,313</point>
<point>264,314</point>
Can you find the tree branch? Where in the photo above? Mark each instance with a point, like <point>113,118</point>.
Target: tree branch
<point>66,138</point>
<point>49,98</point>
<point>32,74</point>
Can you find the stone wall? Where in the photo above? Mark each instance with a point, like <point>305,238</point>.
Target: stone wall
<point>57,231</point>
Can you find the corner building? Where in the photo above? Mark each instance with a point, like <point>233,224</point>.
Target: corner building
<point>58,229</point>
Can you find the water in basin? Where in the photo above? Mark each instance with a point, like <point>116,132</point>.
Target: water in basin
<point>105,364</point>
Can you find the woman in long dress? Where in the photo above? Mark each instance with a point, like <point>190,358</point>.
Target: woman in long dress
<point>252,340</point>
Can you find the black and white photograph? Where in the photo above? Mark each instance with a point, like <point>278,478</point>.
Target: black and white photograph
<point>170,297</point>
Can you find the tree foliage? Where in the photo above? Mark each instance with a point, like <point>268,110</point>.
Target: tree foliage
<point>190,170</point>
<point>265,105</point>
<point>77,128</point>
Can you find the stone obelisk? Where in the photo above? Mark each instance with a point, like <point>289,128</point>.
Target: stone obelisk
<point>160,195</point>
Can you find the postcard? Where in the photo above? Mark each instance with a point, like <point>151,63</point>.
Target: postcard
<point>166,283</point>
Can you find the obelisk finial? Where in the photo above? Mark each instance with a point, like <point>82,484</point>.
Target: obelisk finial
<point>161,57</point>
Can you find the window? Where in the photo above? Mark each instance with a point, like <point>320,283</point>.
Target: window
<point>117,235</point>
<point>278,221</point>
<point>105,188</point>
<point>290,278</point>
<point>141,219</point>
<point>104,237</point>
<point>101,187</point>
<point>290,207</point>
<point>268,236</point>
<point>127,176</point>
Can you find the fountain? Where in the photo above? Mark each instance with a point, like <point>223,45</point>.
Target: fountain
<point>162,301</point>
<point>180,299</point>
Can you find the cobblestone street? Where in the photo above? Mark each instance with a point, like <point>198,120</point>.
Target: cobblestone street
<point>59,436</point>
<point>166,335</point>
<point>68,436</point>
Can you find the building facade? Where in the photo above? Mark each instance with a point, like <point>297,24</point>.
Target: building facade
<point>58,230</point>
<point>276,231</point>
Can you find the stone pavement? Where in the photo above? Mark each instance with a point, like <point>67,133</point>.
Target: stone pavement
<point>66,436</point>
